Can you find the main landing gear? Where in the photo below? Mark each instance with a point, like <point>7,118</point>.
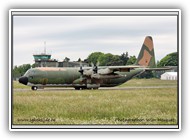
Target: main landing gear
<point>83,88</point>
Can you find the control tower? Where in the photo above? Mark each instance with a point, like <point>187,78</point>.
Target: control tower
<point>44,60</point>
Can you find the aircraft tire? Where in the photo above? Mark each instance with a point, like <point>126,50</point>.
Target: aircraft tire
<point>34,88</point>
<point>84,88</point>
<point>77,88</point>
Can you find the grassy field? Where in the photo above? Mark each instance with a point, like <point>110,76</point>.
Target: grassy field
<point>17,85</point>
<point>138,106</point>
<point>149,82</point>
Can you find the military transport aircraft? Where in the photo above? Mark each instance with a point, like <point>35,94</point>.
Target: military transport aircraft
<point>91,77</point>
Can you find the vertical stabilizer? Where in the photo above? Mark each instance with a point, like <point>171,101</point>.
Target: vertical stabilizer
<point>146,56</point>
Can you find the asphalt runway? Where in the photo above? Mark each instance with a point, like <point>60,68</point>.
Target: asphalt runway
<point>101,88</point>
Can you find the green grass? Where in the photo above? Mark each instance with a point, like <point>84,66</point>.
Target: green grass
<point>139,106</point>
<point>17,85</point>
<point>149,82</point>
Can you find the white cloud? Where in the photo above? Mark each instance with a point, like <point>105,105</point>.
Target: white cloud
<point>77,36</point>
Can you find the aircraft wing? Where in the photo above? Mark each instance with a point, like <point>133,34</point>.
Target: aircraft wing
<point>105,70</point>
<point>123,68</point>
<point>111,69</point>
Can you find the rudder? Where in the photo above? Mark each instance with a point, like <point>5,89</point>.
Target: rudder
<point>146,56</point>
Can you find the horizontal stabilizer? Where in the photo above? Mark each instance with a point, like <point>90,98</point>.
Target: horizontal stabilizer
<point>158,69</point>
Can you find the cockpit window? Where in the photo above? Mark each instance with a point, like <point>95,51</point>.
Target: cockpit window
<point>29,73</point>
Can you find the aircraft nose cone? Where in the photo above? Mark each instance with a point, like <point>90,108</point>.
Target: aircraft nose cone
<point>23,80</point>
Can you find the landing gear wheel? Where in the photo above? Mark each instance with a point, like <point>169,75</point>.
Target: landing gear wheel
<point>80,88</point>
<point>77,88</point>
<point>84,88</point>
<point>34,88</point>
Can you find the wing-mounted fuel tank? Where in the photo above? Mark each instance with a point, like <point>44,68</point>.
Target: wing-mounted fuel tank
<point>79,81</point>
<point>93,83</point>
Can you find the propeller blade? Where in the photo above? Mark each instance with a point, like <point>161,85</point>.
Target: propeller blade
<point>92,64</point>
<point>95,69</point>
<point>98,63</point>
<point>81,70</point>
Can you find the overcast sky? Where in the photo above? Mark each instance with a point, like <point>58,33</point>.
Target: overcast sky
<point>78,36</point>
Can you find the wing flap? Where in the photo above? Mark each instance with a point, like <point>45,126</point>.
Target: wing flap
<point>123,68</point>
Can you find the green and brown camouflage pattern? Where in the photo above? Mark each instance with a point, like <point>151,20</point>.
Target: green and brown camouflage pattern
<point>146,56</point>
<point>85,78</point>
<point>70,77</point>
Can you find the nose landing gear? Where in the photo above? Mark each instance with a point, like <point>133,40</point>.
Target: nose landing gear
<point>34,88</point>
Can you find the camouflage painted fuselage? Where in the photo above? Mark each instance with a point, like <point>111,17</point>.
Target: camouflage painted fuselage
<point>71,77</point>
<point>91,77</point>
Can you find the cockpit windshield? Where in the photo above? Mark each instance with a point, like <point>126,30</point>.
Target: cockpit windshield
<point>29,73</point>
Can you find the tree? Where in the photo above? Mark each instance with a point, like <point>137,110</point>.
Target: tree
<point>109,59</point>
<point>79,60</point>
<point>23,68</point>
<point>34,65</point>
<point>66,59</point>
<point>131,60</point>
<point>105,59</point>
<point>116,61</point>
<point>169,60</point>
<point>124,58</point>
<point>19,71</point>
<point>93,57</point>
<point>16,72</point>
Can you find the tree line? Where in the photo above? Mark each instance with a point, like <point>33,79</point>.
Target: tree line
<point>108,59</point>
<point>19,71</point>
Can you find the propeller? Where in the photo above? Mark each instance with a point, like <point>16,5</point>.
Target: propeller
<point>81,70</point>
<point>95,67</point>
<point>88,72</point>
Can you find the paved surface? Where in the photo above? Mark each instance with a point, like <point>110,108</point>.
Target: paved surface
<point>102,88</point>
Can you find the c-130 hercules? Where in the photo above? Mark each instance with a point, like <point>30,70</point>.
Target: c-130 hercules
<point>91,77</point>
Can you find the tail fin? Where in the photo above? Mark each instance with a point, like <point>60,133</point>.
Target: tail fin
<point>146,56</point>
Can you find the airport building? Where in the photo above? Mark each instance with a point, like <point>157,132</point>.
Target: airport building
<point>45,60</point>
